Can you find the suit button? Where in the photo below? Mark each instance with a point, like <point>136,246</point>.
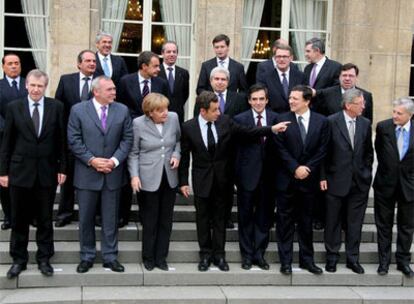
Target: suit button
<point>162,147</point>
<point>162,155</point>
<point>162,139</point>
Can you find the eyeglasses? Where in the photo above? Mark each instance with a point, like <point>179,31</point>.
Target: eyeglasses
<point>282,57</point>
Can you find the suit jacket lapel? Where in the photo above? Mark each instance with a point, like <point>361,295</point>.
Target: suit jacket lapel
<point>199,136</point>
<point>90,109</point>
<point>343,127</point>
<point>295,128</point>
<point>46,115</point>
<point>26,116</point>
<point>229,100</point>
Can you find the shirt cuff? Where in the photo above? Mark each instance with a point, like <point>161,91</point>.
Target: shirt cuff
<point>115,161</point>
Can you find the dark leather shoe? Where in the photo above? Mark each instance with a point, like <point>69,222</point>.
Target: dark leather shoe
<point>317,225</point>
<point>204,264</point>
<point>229,224</point>
<point>162,265</point>
<point>312,268</point>
<point>122,223</point>
<point>15,270</point>
<point>34,223</point>
<point>262,264</point>
<point>114,266</point>
<point>286,269</point>
<point>98,221</point>
<point>406,270</point>
<point>222,264</point>
<point>45,268</point>
<point>62,222</point>
<point>355,267</point>
<point>246,264</point>
<point>148,265</point>
<point>330,266</point>
<point>84,266</point>
<point>6,225</point>
<point>382,269</point>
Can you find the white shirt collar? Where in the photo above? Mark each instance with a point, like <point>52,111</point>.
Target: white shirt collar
<point>10,80</point>
<point>202,121</point>
<point>81,75</point>
<point>166,66</point>
<point>98,106</point>
<point>101,57</point>
<point>406,127</point>
<point>348,118</point>
<point>280,73</point>
<point>40,102</point>
<point>321,62</point>
<point>141,78</point>
<point>255,114</point>
<point>305,115</point>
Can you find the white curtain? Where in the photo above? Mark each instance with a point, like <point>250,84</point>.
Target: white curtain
<point>178,11</point>
<point>36,28</point>
<point>114,9</point>
<point>306,14</point>
<point>252,15</point>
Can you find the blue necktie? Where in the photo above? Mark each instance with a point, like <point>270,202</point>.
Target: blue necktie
<point>171,79</point>
<point>285,85</point>
<point>222,104</point>
<point>145,89</point>
<point>105,67</point>
<point>302,129</point>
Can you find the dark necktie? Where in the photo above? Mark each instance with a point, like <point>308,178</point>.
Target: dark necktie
<point>302,129</point>
<point>211,143</point>
<point>259,124</point>
<point>222,103</point>
<point>36,118</point>
<point>85,89</point>
<point>145,89</point>
<point>171,79</point>
<point>15,88</point>
<point>285,85</point>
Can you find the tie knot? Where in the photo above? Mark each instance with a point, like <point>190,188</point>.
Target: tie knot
<point>145,82</point>
<point>283,74</point>
<point>209,123</point>
<point>221,62</point>
<point>105,58</point>
<point>14,82</point>
<point>103,108</point>
<point>170,69</point>
<point>35,104</point>
<point>85,78</point>
<point>259,116</point>
<point>300,118</point>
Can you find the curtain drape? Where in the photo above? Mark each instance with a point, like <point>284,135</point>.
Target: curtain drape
<point>178,11</point>
<point>114,9</point>
<point>36,29</point>
<point>252,15</point>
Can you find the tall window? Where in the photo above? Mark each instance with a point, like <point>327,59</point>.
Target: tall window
<point>411,89</point>
<point>296,21</point>
<point>139,25</point>
<point>24,25</point>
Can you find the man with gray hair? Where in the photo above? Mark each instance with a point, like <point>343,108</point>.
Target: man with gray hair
<point>394,182</point>
<point>107,64</point>
<point>346,177</point>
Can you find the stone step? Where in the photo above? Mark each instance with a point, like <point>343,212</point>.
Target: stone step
<point>182,252</point>
<point>210,295</point>
<point>186,274</point>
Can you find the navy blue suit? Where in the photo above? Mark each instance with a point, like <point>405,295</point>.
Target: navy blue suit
<point>119,68</point>
<point>295,197</point>
<point>267,66</point>
<point>255,178</point>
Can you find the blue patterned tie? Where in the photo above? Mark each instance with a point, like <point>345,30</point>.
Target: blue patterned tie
<point>105,67</point>
<point>222,104</point>
<point>171,79</point>
<point>285,85</point>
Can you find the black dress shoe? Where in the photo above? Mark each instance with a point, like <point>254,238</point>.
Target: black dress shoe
<point>406,270</point>
<point>84,266</point>
<point>45,268</point>
<point>229,224</point>
<point>204,264</point>
<point>62,222</point>
<point>355,267</point>
<point>312,268</point>
<point>34,223</point>
<point>6,225</point>
<point>98,221</point>
<point>122,223</point>
<point>246,264</point>
<point>317,225</point>
<point>330,266</point>
<point>262,264</point>
<point>114,266</point>
<point>149,265</point>
<point>286,269</point>
<point>221,264</point>
<point>382,269</point>
<point>15,270</point>
<point>162,265</point>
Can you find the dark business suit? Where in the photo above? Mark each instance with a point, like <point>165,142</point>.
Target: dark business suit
<point>394,182</point>
<point>267,66</point>
<point>294,197</point>
<point>32,163</point>
<point>237,83</point>
<point>68,92</point>
<point>119,68</point>
<point>278,101</point>
<point>87,139</point>
<point>328,75</point>
<point>210,178</point>
<point>348,173</point>
<point>8,94</point>
<point>331,101</point>
<point>179,96</point>
<point>255,179</point>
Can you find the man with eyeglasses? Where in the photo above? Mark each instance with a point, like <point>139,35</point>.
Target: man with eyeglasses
<point>281,80</point>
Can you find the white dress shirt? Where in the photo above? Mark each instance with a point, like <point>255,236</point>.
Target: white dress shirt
<point>305,120</point>
<point>225,63</point>
<point>141,82</point>
<point>109,62</point>
<point>40,108</point>
<point>203,127</point>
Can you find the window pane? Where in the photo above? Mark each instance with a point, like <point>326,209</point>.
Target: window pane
<point>158,38</point>
<point>13,6</point>
<point>308,14</point>
<point>131,39</point>
<point>134,10</point>
<point>15,34</point>
<point>272,13</point>
<point>156,13</point>
<point>263,46</point>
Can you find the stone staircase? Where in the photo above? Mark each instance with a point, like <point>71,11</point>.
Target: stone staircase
<point>184,284</point>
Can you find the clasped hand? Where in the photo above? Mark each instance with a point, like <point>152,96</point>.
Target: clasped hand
<point>103,165</point>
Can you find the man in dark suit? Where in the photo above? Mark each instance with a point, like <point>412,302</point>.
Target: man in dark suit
<point>107,64</point>
<point>100,137</point>
<point>394,182</point>
<point>12,86</point>
<point>209,138</point>
<point>301,150</point>
<point>255,179</point>
<point>280,80</point>
<point>178,79</point>
<point>72,89</point>
<point>237,83</point>
<point>346,178</point>
<point>32,163</point>
<point>330,98</point>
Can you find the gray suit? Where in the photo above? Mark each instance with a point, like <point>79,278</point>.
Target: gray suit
<point>87,139</point>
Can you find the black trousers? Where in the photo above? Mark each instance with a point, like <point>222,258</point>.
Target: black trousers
<point>350,208</point>
<point>210,221</point>
<point>294,207</point>
<point>157,215</point>
<point>40,200</point>
<point>255,215</point>
<point>5,194</point>
<point>384,219</point>
<point>67,192</point>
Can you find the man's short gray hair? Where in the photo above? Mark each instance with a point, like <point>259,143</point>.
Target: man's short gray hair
<point>36,73</point>
<point>220,69</point>
<point>102,34</point>
<point>350,95</point>
<point>406,102</point>
<point>96,82</point>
